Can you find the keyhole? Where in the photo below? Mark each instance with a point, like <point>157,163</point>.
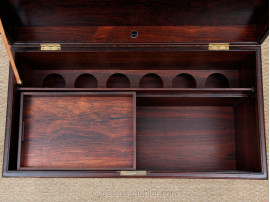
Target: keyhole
<point>134,34</point>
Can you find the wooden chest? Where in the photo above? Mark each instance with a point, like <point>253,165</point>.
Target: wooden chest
<point>135,88</point>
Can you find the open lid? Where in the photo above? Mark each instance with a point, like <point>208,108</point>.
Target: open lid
<point>152,21</point>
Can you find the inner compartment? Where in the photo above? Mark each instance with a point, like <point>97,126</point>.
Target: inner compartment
<point>197,134</point>
<point>138,69</point>
<point>195,110</point>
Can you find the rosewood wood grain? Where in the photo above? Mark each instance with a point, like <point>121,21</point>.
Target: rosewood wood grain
<point>243,61</point>
<point>151,80</point>
<point>184,80</point>
<point>136,12</point>
<point>157,21</point>
<point>247,140</point>
<point>124,62</point>
<point>118,80</point>
<point>93,131</point>
<point>157,100</point>
<point>137,78</point>
<point>158,92</point>
<point>185,138</point>
<point>86,81</point>
<point>147,34</point>
<point>54,81</point>
<point>217,80</point>
<point>136,58</point>
<point>11,129</point>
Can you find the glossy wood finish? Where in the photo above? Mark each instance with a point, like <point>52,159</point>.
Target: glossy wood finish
<point>54,80</point>
<point>118,80</point>
<point>86,81</point>
<point>213,152</point>
<point>136,12</point>
<point>133,58</point>
<point>185,138</point>
<point>136,64</point>
<point>157,21</point>
<point>135,78</point>
<point>199,112</point>
<point>147,34</point>
<point>160,92</point>
<point>93,131</point>
<point>196,134</point>
<point>184,80</point>
<point>247,141</point>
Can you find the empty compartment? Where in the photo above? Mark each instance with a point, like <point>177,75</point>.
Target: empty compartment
<point>88,131</point>
<point>184,81</point>
<point>86,81</point>
<point>151,81</point>
<point>118,81</point>
<point>54,81</point>
<point>217,80</point>
<point>197,134</point>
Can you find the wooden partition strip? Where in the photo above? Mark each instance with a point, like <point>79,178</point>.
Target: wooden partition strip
<point>13,65</point>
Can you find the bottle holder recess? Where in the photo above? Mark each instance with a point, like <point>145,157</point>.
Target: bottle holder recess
<point>86,81</point>
<point>217,81</point>
<point>139,79</point>
<point>54,81</point>
<point>118,81</point>
<point>184,81</point>
<point>151,81</point>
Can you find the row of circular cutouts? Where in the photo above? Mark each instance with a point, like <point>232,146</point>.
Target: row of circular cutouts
<point>150,80</point>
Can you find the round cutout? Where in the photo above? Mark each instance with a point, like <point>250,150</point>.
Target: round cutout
<point>151,81</point>
<point>118,81</point>
<point>217,80</point>
<point>86,81</point>
<point>54,81</point>
<point>184,81</point>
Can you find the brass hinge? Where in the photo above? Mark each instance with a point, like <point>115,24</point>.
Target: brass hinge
<point>133,173</point>
<point>50,47</point>
<point>219,46</point>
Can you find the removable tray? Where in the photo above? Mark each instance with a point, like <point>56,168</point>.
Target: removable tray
<point>78,131</point>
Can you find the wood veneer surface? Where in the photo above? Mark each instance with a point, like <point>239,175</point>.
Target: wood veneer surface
<point>185,138</point>
<point>157,21</point>
<point>37,189</point>
<point>97,132</point>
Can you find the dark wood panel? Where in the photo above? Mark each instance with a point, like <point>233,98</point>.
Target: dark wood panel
<point>247,140</point>
<point>116,174</point>
<point>185,138</point>
<point>78,131</point>
<point>135,78</point>
<point>136,12</point>
<point>136,64</point>
<point>155,99</point>
<point>11,129</point>
<point>231,154</point>
<point>78,21</point>
<point>146,34</point>
<point>144,58</point>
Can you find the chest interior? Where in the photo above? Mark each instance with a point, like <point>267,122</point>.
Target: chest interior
<point>133,89</point>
